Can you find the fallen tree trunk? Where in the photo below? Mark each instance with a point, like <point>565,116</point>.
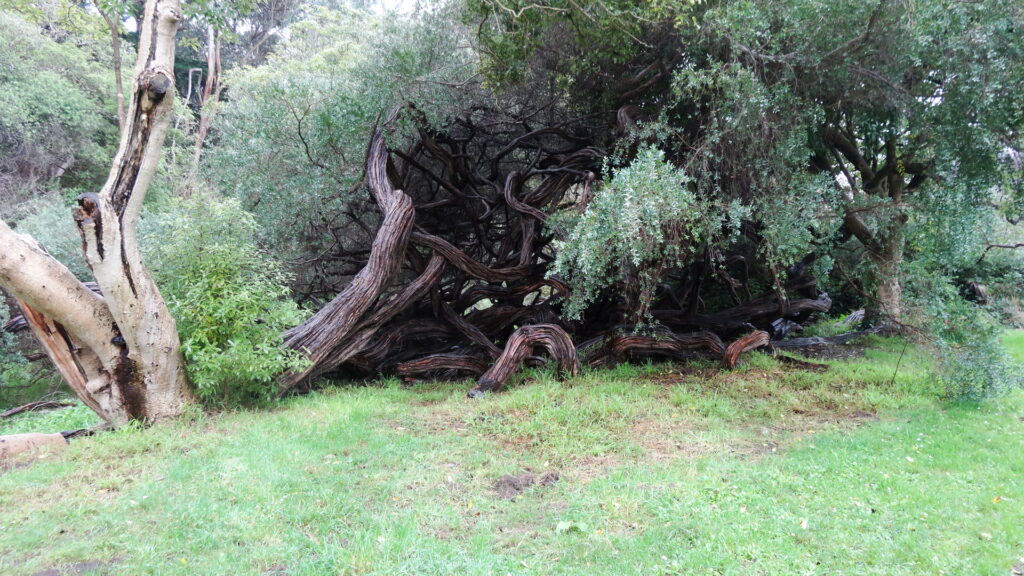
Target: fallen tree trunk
<point>666,343</point>
<point>34,407</point>
<point>457,281</point>
<point>838,340</point>
<point>16,444</point>
<point>434,364</point>
<point>758,339</point>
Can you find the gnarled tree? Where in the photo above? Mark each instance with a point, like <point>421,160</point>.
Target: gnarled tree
<point>118,349</point>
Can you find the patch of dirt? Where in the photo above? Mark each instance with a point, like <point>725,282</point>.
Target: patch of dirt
<point>668,439</point>
<point>443,533</point>
<point>830,351</point>
<point>508,487</point>
<point>80,568</point>
<point>755,449</point>
<point>590,467</point>
<point>800,425</point>
<point>429,420</point>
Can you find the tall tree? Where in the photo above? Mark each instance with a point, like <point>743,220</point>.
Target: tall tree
<point>901,102</point>
<point>112,12</point>
<point>119,350</point>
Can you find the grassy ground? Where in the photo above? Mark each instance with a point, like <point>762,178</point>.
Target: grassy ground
<point>767,469</point>
<point>1014,343</point>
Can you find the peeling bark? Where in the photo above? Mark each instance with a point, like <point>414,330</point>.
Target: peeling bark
<point>331,327</point>
<point>666,343</point>
<point>482,214</point>
<point>120,351</point>
<point>752,341</point>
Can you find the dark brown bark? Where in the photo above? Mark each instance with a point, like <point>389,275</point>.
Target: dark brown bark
<point>521,345</point>
<point>752,341</point>
<point>757,312</point>
<point>480,208</point>
<point>333,326</point>
<point>439,364</point>
<point>622,347</point>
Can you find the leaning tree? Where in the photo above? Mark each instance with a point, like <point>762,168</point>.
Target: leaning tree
<point>114,342</point>
<point>461,273</point>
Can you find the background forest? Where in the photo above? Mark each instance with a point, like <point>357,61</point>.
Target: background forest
<point>633,173</point>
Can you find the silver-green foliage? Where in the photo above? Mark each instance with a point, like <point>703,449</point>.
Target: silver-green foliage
<point>971,361</point>
<point>646,220</point>
<point>56,112</point>
<point>230,299</point>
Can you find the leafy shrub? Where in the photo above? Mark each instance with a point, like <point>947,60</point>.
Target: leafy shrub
<point>971,360</point>
<point>229,298</point>
<point>13,368</point>
<point>50,223</point>
<point>644,221</point>
<point>56,112</point>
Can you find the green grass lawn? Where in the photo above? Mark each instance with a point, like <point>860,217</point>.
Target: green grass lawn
<point>661,470</point>
<point>1014,343</point>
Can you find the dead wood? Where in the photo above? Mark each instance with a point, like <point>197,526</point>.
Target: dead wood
<point>521,345</point>
<point>477,201</point>
<point>16,444</point>
<point>624,346</point>
<point>37,406</point>
<point>747,343</point>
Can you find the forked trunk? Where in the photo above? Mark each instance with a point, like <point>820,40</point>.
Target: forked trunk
<point>119,351</point>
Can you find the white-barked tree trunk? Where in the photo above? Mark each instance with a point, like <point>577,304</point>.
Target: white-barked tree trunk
<point>119,351</point>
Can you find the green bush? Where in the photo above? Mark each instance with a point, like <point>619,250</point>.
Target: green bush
<point>646,220</point>
<point>50,223</point>
<point>13,368</point>
<point>57,120</point>
<point>229,298</point>
<point>970,358</point>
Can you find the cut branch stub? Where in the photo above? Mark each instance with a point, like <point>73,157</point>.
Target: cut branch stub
<point>520,346</point>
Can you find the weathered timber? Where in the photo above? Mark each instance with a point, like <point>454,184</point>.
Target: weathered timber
<point>329,328</point>
<point>478,199</point>
<point>747,343</point>
<point>520,346</point>
<point>37,406</point>
<point>624,346</point>
<point>16,444</point>
<point>443,364</point>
